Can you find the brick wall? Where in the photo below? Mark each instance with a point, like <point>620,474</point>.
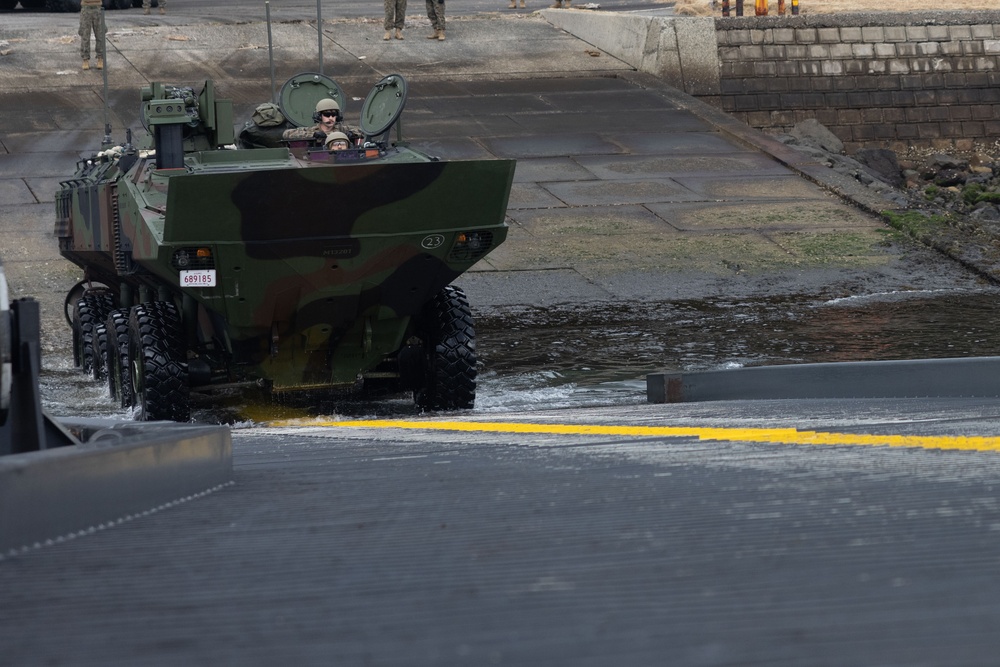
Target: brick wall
<point>880,79</point>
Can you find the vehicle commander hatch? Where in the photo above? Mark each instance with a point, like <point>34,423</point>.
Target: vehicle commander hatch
<point>383,106</point>
<point>300,94</point>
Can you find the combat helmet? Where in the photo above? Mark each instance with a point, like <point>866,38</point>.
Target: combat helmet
<point>334,136</point>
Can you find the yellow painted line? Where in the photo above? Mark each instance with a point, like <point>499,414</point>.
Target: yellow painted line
<point>782,436</point>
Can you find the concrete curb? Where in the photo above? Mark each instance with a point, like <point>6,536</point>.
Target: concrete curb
<point>124,469</point>
<point>939,378</point>
<point>681,52</point>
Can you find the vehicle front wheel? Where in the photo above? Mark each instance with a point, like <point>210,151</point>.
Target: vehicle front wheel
<point>157,367</point>
<point>449,378</point>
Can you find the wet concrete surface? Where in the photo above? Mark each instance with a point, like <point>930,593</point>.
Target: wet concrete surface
<point>374,544</point>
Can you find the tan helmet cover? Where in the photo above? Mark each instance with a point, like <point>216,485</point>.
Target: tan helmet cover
<point>326,104</point>
<point>333,136</point>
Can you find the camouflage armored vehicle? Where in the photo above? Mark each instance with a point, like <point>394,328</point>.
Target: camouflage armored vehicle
<point>209,266</point>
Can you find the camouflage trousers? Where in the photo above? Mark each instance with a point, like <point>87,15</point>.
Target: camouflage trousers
<point>145,4</point>
<point>91,21</point>
<point>435,12</point>
<point>395,14</point>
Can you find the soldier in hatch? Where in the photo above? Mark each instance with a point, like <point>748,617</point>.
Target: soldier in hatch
<point>337,141</point>
<point>327,118</point>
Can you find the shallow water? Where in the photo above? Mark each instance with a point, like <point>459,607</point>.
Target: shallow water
<point>550,359</point>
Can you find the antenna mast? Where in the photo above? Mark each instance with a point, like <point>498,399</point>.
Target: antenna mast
<point>270,50</point>
<point>104,50</point>
<point>319,31</point>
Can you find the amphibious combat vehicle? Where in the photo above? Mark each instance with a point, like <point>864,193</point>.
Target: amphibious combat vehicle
<point>210,266</point>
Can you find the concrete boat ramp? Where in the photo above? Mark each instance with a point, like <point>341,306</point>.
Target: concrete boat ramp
<point>856,527</point>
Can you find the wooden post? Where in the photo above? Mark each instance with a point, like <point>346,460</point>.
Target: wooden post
<point>739,7</point>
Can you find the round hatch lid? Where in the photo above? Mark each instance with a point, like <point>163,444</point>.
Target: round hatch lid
<point>383,105</point>
<point>300,94</point>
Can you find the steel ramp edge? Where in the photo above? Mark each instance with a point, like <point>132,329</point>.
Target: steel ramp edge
<point>120,470</point>
<point>938,378</point>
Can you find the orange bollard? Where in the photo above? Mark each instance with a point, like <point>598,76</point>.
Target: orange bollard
<point>761,7</point>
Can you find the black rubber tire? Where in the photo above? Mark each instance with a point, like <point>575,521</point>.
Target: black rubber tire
<point>90,310</point>
<point>156,363</point>
<point>101,352</point>
<point>119,379</point>
<point>6,348</point>
<point>449,381</point>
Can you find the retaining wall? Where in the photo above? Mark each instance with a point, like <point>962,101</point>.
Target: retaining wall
<point>880,79</point>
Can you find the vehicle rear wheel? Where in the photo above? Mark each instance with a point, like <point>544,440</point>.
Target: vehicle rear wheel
<point>449,379</point>
<point>119,378</point>
<point>90,310</point>
<point>157,367</point>
<point>101,354</point>
<point>6,348</point>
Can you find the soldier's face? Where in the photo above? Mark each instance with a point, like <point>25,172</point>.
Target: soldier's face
<point>328,119</point>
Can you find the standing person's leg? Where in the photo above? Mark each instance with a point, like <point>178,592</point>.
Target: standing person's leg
<point>440,15</point>
<point>435,12</point>
<point>400,18</point>
<point>145,6</point>
<point>390,18</point>
<point>100,34</point>
<point>85,28</point>
<point>432,15</point>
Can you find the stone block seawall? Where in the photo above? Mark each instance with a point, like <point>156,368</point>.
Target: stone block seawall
<point>928,79</point>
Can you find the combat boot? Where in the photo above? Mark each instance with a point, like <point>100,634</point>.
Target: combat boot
<point>557,4</point>
<point>568,3</point>
<point>513,4</point>
<point>163,10</point>
<point>433,35</point>
<point>145,10</point>
<point>100,63</point>
<point>399,33</point>
<point>387,36</point>
<point>441,35</point>
<point>86,64</point>
<point>522,4</point>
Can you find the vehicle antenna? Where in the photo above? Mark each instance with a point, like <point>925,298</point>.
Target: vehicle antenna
<point>107,110</point>
<point>319,31</point>
<point>270,50</point>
